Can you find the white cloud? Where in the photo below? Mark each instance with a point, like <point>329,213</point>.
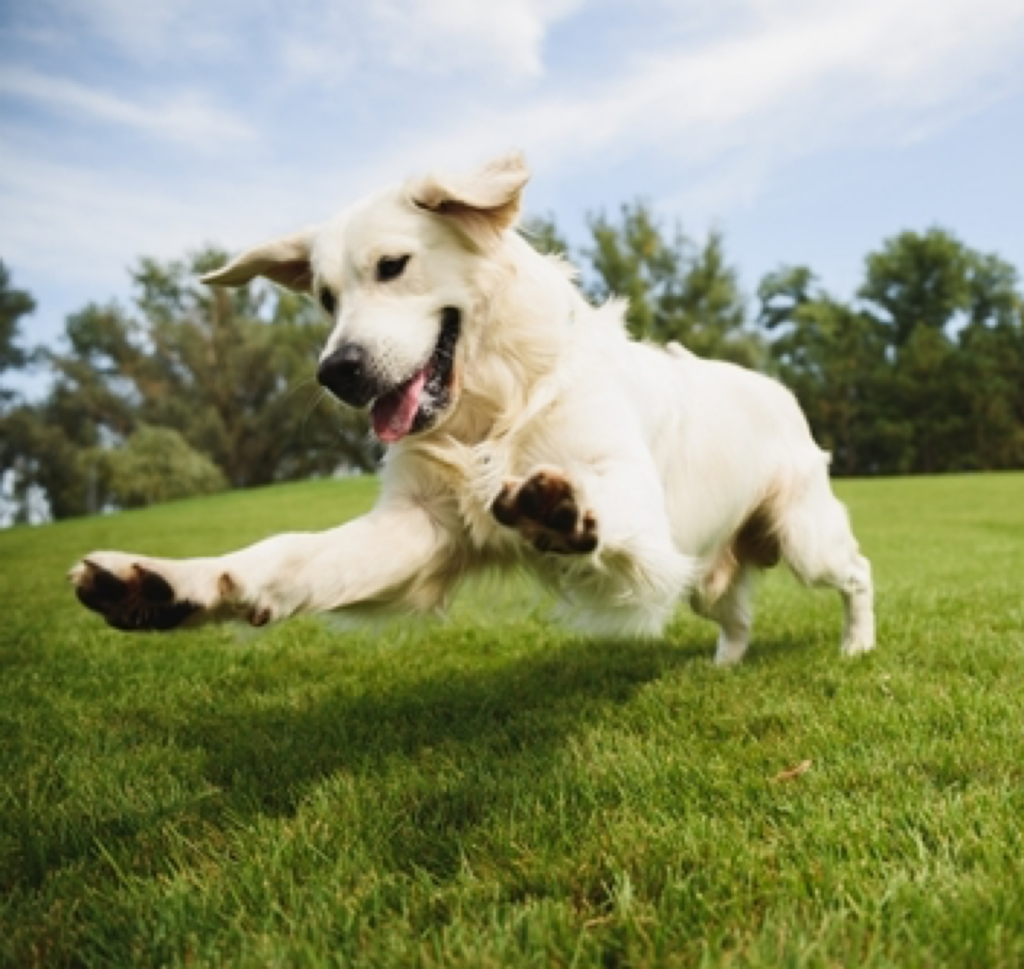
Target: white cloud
<point>796,78</point>
<point>450,35</point>
<point>186,117</point>
<point>147,32</point>
<point>313,102</point>
<point>818,69</point>
<point>89,225</point>
<point>331,42</point>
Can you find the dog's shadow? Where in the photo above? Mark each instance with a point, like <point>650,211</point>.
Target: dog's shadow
<point>505,721</point>
<point>278,751</point>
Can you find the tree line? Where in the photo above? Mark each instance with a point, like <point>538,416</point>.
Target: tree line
<point>190,390</point>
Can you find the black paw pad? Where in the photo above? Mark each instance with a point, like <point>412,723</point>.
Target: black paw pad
<point>144,600</point>
<point>545,512</point>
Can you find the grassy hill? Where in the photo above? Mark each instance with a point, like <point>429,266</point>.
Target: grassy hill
<point>493,791</point>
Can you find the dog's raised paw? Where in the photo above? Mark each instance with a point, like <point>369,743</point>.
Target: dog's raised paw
<point>544,509</point>
<point>129,598</point>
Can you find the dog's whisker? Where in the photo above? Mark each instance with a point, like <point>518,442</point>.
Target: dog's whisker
<point>315,400</point>
<point>300,386</point>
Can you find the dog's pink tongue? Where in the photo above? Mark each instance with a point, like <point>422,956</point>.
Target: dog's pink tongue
<point>394,413</point>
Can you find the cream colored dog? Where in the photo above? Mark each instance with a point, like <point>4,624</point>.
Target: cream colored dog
<point>524,430</point>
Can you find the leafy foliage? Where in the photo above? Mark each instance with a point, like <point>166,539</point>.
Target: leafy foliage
<point>924,373</point>
<point>157,464</point>
<point>542,232</point>
<point>832,356</point>
<point>225,371</point>
<point>19,495</point>
<point>675,289</point>
<point>14,304</point>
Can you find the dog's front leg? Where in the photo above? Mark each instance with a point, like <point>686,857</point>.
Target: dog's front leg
<point>378,557</point>
<point>545,508</point>
<point>603,531</point>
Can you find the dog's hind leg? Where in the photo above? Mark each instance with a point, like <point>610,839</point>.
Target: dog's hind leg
<point>819,546</point>
<point>733,610</point>
<point>858,595</point>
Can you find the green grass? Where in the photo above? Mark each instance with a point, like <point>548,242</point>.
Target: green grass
<point>492,791</point>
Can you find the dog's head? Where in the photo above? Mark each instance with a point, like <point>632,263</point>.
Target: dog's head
<point>399,273</point>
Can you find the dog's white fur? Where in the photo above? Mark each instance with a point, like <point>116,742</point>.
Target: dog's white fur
<point>694,471</point>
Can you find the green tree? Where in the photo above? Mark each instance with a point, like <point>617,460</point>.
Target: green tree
<point>14,304</point>
<point>42,462</point>
<point>157,464</point>
<point>832,357</point>
<point>226,369</point>
<point>218,379</point>
<point>710,309</point>
<point>917,279</point>
<point>18,422</point>
<point>676,289</point>
<point>923,373</point>
<point>946,308</point>
<point>990,383</point>
<point>542,232</point>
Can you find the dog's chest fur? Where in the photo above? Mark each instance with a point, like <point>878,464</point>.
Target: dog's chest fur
<point>464,482</point>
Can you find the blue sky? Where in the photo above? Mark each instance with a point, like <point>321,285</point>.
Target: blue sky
<point>807,131</point>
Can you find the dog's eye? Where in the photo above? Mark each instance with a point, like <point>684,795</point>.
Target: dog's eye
<point>391,267</point>
<point>327,301</point>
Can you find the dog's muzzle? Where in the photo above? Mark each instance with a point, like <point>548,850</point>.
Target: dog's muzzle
<point>410,405</point>
<point>346,374</point>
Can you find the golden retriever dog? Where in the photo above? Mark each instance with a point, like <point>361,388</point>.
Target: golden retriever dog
<point>524,430</point>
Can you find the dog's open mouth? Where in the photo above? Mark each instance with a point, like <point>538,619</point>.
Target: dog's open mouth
<point>415,404</point>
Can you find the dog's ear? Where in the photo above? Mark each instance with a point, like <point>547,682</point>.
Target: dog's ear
<point>284,261</point>
<point>483,204</point>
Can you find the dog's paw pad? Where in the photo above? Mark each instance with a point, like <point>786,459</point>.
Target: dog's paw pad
<point>545,510</point>
<point>137,599</point>
<point>584,539</point>
<point>153,587</point>
<point>504,509</point>
<point>98,586</point>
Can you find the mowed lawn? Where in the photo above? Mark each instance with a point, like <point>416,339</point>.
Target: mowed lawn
<point>493,791</point>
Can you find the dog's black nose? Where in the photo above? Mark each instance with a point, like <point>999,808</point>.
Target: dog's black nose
<point>345,373</point>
